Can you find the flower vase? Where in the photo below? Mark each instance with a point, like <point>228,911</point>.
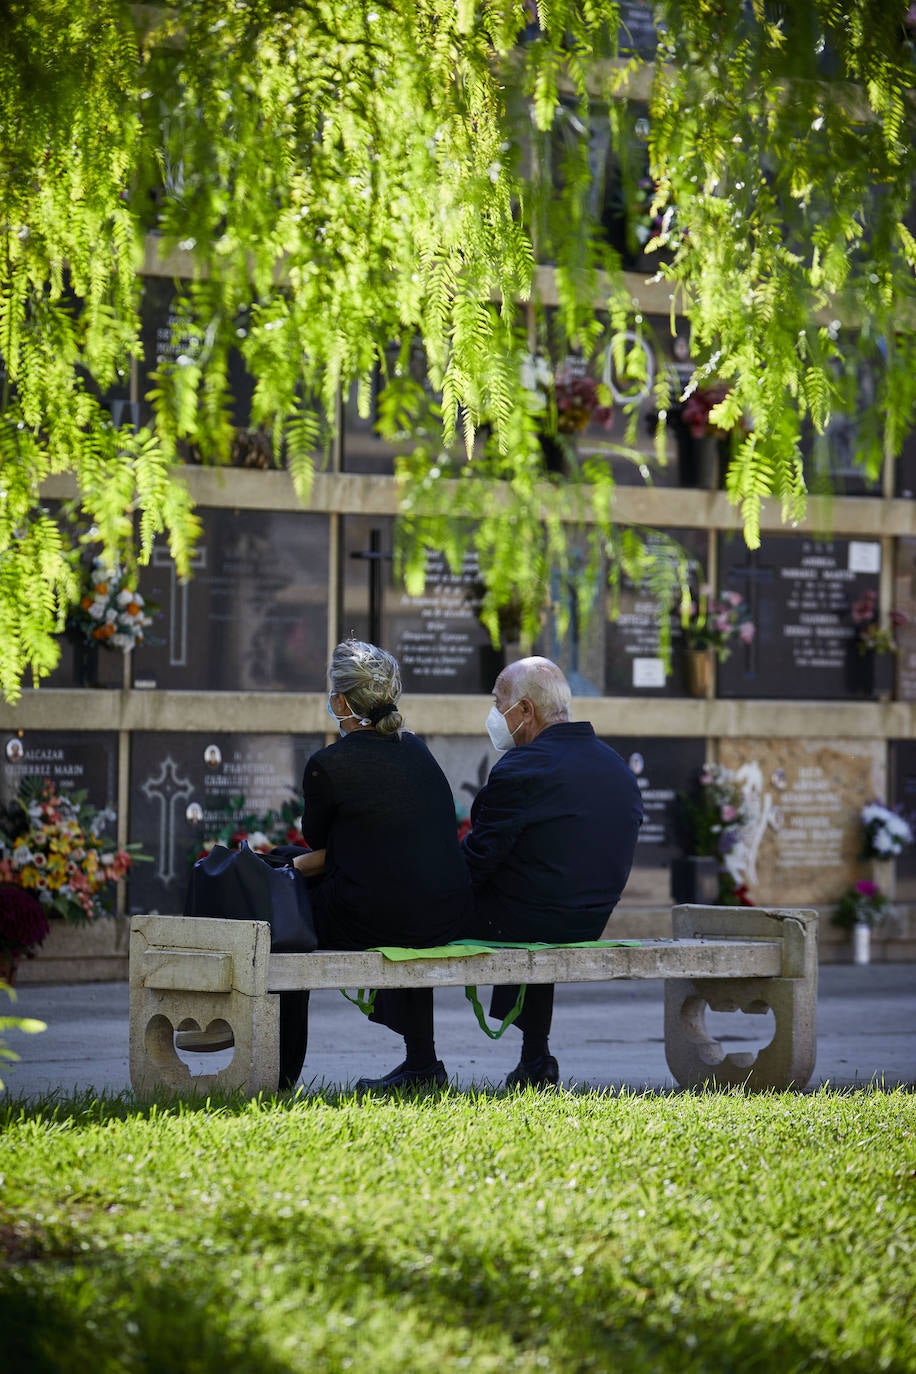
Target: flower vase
<point>86,662</point>
<point>699,670</point>
<point>861,943</point>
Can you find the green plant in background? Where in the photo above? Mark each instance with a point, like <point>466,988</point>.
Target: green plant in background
<point>333,178</point>
<point>28,1025</point>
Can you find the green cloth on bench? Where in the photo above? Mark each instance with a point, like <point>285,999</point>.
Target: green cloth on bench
<point>459,948</point>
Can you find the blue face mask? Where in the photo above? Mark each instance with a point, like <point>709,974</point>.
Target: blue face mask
<point>340,719</point>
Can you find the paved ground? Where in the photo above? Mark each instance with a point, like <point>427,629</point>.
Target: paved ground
<point>605,1034</point>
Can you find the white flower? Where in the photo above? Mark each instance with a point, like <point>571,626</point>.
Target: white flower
<point>899,829</point>
<point>258,840</point>
<point>124,598</point>
<point>97,610</point>
<point>21,856</point>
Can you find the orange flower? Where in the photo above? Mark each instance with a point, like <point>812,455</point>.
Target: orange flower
<point>103,632</point>
<point>86,603</point>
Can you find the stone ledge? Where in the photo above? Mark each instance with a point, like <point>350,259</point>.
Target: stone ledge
<point>93,953</point>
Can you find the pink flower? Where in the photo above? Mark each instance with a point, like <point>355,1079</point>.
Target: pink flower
<point>746,632</point>
<point>728,812</point>
<point>867,889</point>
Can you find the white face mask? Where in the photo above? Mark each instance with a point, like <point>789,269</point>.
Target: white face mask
<point>340,719</point>
<point>501,737</point>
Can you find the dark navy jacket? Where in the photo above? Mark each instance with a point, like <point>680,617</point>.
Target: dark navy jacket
<point>552,838</point>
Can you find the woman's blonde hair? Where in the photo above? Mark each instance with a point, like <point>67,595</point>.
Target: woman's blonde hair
<point>370,679</point>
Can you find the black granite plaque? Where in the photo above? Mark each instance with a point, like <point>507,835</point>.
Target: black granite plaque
<point>436,637</point>
<point>637,33</point>
<point>181,792</point>
<point>253,616</point>
<point>905,469</point>
<point>162,344</point>
<point>903,794</point>
<point>663,768</point>
<point>632,663</point>
<point>73,760</point>
<point>801,592</point>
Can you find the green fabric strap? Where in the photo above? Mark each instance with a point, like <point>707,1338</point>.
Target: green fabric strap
<point>471,994</point>
<point>365,1004</point>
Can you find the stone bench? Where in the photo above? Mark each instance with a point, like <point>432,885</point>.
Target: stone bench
<point>192,974</point>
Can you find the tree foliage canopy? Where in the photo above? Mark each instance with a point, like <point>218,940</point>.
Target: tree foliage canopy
<point>350,175</point>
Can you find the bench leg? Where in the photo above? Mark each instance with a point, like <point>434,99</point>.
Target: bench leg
<point>206,976</point>
<point>696,1058</point>
<point>253,1023</point>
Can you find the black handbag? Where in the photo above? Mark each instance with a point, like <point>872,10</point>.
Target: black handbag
<point>243,885</point>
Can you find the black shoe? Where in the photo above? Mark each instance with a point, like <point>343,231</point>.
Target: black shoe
<point>543,1072</point>
<point>402,1079</point>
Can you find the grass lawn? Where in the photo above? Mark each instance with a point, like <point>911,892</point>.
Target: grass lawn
<point>682,1232</point>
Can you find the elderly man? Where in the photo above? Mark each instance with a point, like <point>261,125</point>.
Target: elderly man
<point>552,838</point>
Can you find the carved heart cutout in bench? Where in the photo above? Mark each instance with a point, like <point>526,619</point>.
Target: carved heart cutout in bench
<point>731,1032</point>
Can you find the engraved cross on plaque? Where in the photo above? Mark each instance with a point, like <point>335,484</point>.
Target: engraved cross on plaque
<point>179,618</point>
<point>168,789</point>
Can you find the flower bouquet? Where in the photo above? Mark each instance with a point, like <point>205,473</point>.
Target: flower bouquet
<point>696,409</point>
<point>871,636</point>
<point>53,847</point>
<point>110,612</point>
<point>580,401</point>
<point>862,904</point>
<point>714,812</point>
<point>23,927</point>
<point>261,831</point>
<point>709,820</point>
<point>714,622</point>
<point>885,832</point>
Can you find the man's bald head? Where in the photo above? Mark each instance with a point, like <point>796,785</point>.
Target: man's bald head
<point>539,681</point>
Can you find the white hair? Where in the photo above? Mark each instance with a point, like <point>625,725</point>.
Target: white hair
<point>542,682</point>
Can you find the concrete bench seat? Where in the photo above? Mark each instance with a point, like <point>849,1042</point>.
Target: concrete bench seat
<point>193,975</point>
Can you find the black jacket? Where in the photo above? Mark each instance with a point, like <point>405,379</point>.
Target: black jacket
<point>552,838</point>
<point>383,809</point>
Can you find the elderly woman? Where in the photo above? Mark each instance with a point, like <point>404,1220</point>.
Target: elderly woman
<point>385,866</point>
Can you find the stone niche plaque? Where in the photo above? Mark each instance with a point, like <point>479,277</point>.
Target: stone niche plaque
<point>903,794</point>
<point>180,787</point>
<point>161,344</point>
<point>801,845</point>
<point>663,768</point>
<point>905,601</point>
<point>253,616</point>
<point>800,592</point>
<point>73,760</point>
<point>637,33</point>
<point>436,637</point>
<point>633,667</point>
<point>466,762</point>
